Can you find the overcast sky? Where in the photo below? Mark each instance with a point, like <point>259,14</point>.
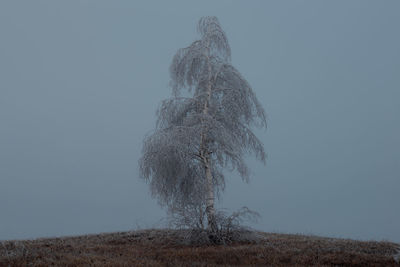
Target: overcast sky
<point>80,82</point>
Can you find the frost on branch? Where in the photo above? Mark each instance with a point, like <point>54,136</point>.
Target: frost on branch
<point>204,128</point>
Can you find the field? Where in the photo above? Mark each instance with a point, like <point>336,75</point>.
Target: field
<point>164,248</point>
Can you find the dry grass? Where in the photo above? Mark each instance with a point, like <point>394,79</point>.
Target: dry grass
<point>164,248</point>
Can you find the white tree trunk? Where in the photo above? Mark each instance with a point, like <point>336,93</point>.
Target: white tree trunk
<point>210,210</point>
<point>210,198</point>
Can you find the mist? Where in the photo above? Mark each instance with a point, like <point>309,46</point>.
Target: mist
<point>80,83</point>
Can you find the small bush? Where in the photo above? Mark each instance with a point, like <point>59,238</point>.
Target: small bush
<point>229,227</point>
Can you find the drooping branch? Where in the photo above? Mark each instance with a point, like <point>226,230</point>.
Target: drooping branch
<point>197,137</point>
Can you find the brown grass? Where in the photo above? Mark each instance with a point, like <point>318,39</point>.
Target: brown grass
<point>163,248</point>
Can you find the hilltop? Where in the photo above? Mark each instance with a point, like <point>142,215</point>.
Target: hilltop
<point>164,247</point>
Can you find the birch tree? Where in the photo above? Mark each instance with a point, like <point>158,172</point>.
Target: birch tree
<point>204,128</point>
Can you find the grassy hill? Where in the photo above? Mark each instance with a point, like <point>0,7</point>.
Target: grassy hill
<point>165,248</point>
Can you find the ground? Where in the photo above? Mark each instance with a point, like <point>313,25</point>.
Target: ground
<point>157,247</point>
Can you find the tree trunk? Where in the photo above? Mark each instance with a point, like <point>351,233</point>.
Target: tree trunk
<point>210,210</point>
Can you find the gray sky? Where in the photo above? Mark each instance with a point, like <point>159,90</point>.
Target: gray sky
<point>80,82</point>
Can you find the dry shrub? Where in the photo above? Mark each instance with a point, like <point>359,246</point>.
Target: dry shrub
<point>230,228</point>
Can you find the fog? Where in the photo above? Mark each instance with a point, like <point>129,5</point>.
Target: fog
<point>80,82</point>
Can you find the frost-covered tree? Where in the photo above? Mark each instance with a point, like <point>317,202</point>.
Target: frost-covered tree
<point>204,128</point>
